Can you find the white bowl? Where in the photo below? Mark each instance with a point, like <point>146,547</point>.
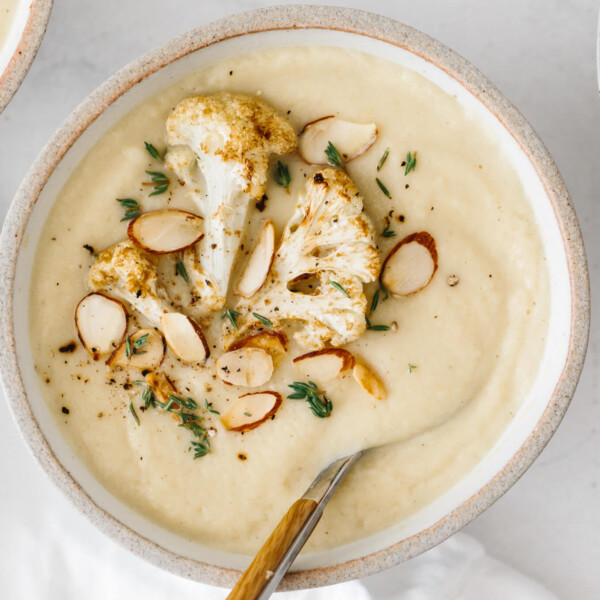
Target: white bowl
<point>523,439</point>
<point>20,45</point>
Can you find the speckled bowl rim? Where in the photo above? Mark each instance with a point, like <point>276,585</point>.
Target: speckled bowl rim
<point>277,18</point>
<point>22,59</point>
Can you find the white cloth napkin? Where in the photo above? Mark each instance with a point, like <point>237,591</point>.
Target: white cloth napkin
<point>48,551</point>
<point>54,553</point>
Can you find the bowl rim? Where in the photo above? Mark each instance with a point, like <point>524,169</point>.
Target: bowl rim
<point>22,58</point>
<point>282,18</point>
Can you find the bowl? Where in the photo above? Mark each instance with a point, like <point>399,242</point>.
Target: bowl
<point>523,439</point>
<point>23,38</point>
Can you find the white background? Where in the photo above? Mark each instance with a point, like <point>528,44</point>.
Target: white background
<point>541,54</point>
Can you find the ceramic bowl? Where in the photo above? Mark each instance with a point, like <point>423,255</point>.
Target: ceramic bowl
<point>20,44</point>
<point>523,439</point>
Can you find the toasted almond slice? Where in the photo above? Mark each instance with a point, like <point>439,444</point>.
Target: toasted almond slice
<point>162,386</point>
<point>165,231</point>
<point>350,139</point>
<point>271,340</point>
<point>410,265</point>
<point>259,262</point>
<point>251,410</point>
<point>101,323</point>
<point>185,337</point>
<point>148,356</point>
<point>325,365</point>
<point>247,367</point>
<point>368,381</point>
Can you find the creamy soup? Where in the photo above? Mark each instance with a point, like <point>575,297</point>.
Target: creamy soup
<point>457,360</point>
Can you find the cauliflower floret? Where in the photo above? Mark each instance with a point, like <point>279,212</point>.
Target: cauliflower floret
<point>330,239</point>
<point>220,144</point>
<point>126,271</point>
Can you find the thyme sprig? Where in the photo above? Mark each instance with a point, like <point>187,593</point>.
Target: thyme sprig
<point>411,163</point>
<point>132,410</point>
<point>282,175</point>
<point>383,159</point>
<point>262,319</point>
<point>387,232</point>
<point>320,407</point>
<point>159,181</point>
<point>181,270</point>
<point>333,156</point>
<point>136,346</point>
<point>376,327</point>
<point>411,368</point>
<point>131,207</point>
<point>339,288</point>
<point>153,151</point>
<point>383,188</point>
<point>232,315</point>
<point>189,420</point>
<point>209,407</point>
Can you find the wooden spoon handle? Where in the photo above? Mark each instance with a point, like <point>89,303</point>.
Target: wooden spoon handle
<point>257,575</point>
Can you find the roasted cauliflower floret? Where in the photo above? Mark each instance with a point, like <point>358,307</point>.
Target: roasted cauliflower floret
<point>331,241</point>
<point>219,146</point>
<point>129,273</point>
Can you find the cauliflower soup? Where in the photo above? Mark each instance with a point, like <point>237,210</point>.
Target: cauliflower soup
<point>287,257</point>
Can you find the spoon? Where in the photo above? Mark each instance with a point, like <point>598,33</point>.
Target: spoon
<point>276,556</point>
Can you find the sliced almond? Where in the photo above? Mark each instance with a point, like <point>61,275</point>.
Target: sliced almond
<point>272,341</point>
<point>410,265</point>
<point>325,365</point>
<point>251,410</point>
<point>101,323</point>
<point>185,338</point>
<point>162,386</point>
<point>368,381</point>
<point>350,139</point>
<point>259,262</point>
<point>148,356</point>
<point>165,231</point>
<point>247,367</point>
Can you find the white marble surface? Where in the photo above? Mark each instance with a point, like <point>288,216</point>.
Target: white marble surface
<point>541,53</point>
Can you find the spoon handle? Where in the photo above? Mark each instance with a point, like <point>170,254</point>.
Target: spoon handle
<point>262,568</point>
<point>279,551</point>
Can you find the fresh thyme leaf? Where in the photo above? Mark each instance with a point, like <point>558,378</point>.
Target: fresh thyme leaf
<point>376,327</point>
<point>383,188</point>
<point>339,288</point>
<point>128,202</point>
<point>334,156</point>
<point>209,407</point>
<point>320,407</point>
<point>387,232</point>
<point>137,419</point>
<point>160,182</point>
<point>127,346</point>
<point>411,368</point>
<point>411,163</point>
<point>383,158</point>
<point>375,301</point>
<point>148,398</point>
<point>262,319</point>
<point>384,290</point>
<point>232,315</point>
<point>187,403</point>
<point>131,207</point>
<point>282,175</point>
<point>172,400</point>
<point>152,151</point>
<point>181,270</point>
<point>140,343</point>
<point>247,415</point>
